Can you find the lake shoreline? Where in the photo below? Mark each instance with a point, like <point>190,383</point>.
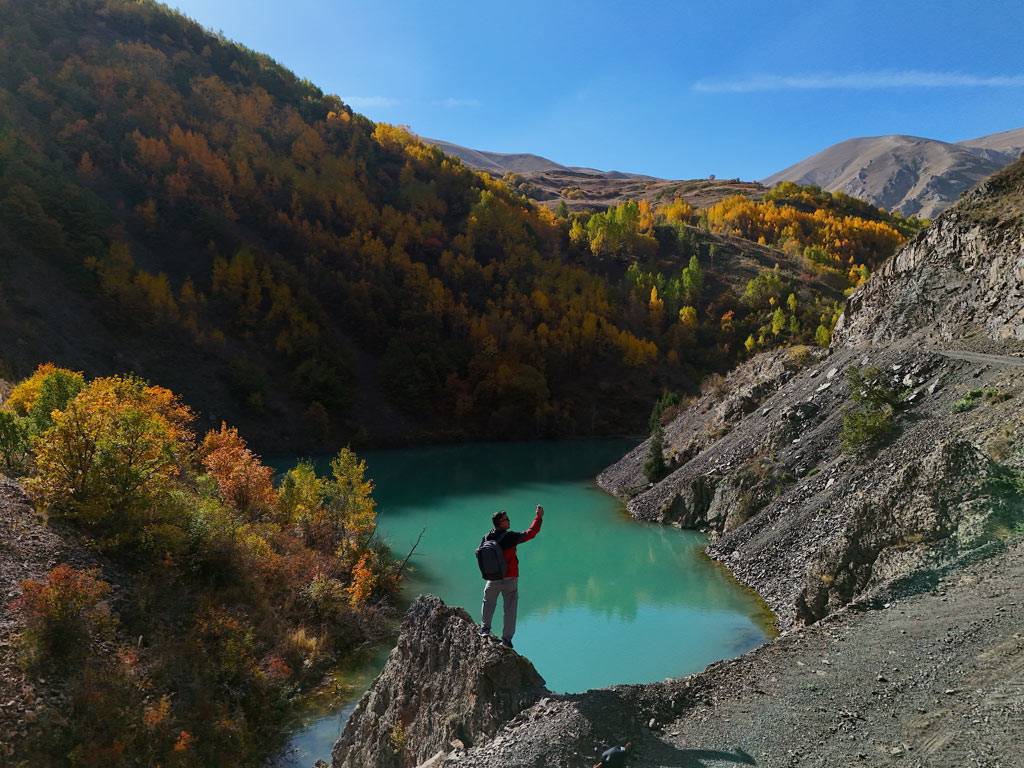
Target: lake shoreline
<point>763,627</point>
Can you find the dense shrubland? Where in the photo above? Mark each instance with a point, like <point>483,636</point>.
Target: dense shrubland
<point>204,196</point>
<point>231,593</point>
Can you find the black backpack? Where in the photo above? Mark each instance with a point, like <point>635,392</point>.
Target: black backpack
<point>491,558</point>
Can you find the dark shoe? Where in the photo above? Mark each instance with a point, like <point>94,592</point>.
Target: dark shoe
<point>485,631</point>
<point>507,642</point>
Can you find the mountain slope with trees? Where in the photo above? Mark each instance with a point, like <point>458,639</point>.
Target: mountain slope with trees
<point>872,494</point>
<point>179,206</point>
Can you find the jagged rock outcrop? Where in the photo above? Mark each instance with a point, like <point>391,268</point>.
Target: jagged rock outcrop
<point>442,682</point>
<point>962,276</point>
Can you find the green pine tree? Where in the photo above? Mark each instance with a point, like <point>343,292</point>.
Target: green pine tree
<point>655,467</point>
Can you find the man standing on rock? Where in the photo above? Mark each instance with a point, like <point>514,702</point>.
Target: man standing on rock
<point>508,586</point>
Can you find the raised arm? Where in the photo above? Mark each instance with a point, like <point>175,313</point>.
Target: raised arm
<point>534,528</point>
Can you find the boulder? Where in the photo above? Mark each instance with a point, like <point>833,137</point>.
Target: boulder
<point>442,682</point>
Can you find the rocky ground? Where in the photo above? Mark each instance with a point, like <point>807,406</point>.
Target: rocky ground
<point>28,550</point>
<point>926,673</point>
<point>809,526</point>
<point>443,683</point>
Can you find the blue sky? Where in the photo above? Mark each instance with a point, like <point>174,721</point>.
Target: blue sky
<point>673,89</point>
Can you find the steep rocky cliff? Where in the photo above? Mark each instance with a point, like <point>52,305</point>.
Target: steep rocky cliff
<point>759,460</point>
<point>442,683</point>
<point>963,277</point>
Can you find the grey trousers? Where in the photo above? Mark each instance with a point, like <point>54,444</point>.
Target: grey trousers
<point>509,589</point>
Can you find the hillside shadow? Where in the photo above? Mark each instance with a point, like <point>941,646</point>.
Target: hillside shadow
<point>429,476</point>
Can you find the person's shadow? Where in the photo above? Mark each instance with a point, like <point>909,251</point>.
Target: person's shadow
<point>617,716</point>
<point>658,753</point>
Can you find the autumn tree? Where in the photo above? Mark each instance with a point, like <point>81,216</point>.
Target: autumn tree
<point>47,390</point>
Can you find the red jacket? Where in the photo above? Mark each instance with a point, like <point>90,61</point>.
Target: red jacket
<point>510,541</point>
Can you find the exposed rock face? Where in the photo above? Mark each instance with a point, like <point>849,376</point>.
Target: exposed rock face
<point>442,682</point>
<point>964,275</point>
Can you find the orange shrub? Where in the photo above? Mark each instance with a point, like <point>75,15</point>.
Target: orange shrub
<point>364,581</point>
<point>63,614</point>
<point>243,480</point>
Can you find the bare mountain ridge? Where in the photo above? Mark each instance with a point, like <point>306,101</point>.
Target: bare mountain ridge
<point>500,163</point>
<point>914,175</point>
<point>1011,142</point>
<point>910,174</point>
<point>588,189</point>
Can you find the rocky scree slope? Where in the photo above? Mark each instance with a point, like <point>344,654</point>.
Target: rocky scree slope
<point>759,460</point>
<point>825,535</point>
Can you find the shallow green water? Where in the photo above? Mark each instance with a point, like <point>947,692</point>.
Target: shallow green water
<point>602,599</point>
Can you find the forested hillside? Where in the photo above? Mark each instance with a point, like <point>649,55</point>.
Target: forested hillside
<point>174,204</point>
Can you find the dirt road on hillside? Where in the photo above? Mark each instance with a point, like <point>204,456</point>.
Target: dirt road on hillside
<point>982,357</point>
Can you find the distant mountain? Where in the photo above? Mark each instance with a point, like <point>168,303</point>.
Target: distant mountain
<point>500,163</point>
<point>495,163</point>
<point>590,189</point>
<point>1006,142</point>
<point>910,174</point>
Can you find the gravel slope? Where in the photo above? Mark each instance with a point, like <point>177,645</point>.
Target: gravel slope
<point>28,550</point>
<point>934,679</point>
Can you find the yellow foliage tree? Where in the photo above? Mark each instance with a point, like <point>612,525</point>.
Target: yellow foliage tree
<point>111,452</point>
<point>364,581</point>
<point>677,212</point>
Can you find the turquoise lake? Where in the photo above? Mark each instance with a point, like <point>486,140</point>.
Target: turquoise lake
<point>602,599</point>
